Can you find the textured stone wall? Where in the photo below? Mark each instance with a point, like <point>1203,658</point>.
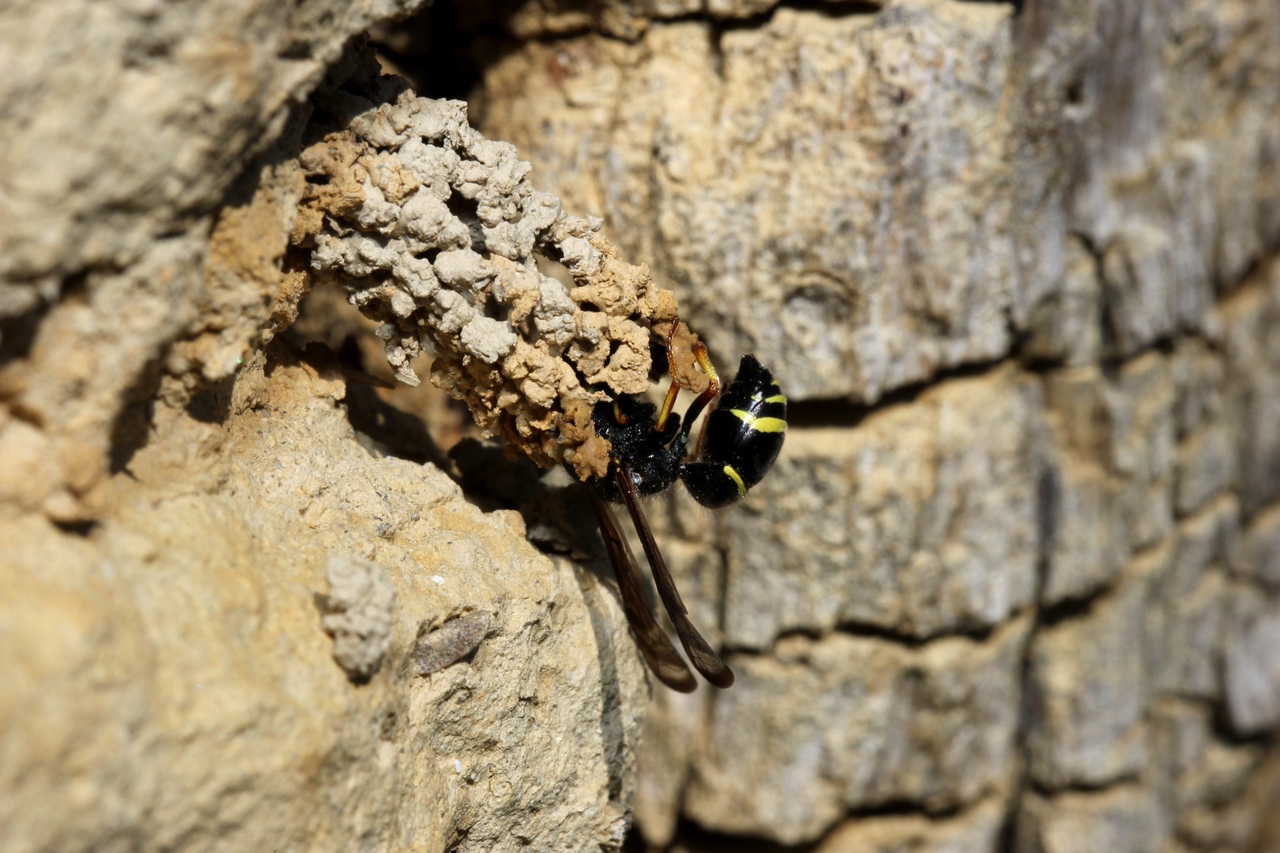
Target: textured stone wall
<point>1010,585</point>
<point>1014,584</point>
<point>172,683</point>
<point>229,621</point>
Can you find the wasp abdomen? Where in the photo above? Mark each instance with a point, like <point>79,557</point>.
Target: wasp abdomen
<point>741,440</point>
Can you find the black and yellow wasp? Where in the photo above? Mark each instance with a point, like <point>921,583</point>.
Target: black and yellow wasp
<point>649,452</point>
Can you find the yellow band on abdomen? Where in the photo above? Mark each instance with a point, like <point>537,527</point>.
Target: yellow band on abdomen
<point>760,424</point>
<point>733,475</point>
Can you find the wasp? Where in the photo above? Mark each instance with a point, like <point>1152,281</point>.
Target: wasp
<point>649,451</point>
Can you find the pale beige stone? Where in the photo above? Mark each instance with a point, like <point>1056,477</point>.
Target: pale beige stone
<point>1251,662</point>
<point>1259,555</point>
<point>856,722</point>
<point>1188,610</point>
<point>974,830</point>
<point>1252,394</point>
<point>1087,545</point>
<point>899,524</point>
<point>869,198</point>
<point>1089,687</point>
<point>1209,780</point>
<point>1126,817</point>
<point>784,164</point>
<point>171,681</point>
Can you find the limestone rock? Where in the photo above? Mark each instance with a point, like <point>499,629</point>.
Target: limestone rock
<point>1015,265</point>
<point>172,683</point>
<point>857,722</point>
<point>1259,556</point>
<point>724,165</point>
<point>1252,667</point>
<point>361,606</point>
<point>1215,785</point>
<point>128,128</point>
<point>1122,818</point>
<point>1188,611</point>
<point>897,524</point>
<point>1089,688</point>
<point>971,831</point>
<point>1252,392</point>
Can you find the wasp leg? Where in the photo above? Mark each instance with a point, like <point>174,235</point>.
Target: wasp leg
<point>704,399</point>
<point>655,647</point>
<point>703,657</point>
<point>669,402</point>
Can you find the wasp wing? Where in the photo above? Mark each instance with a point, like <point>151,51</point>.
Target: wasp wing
<point>704,658</point>
<point>655,647</point>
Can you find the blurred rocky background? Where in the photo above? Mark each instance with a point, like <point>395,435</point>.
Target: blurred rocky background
<point>1014,584</point>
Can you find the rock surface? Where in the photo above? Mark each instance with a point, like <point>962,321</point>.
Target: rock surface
<point>173,682</point>
<point>227,610</point>
<point>1038,250</point>
<point>754,163</point>
<point>1013,585</point>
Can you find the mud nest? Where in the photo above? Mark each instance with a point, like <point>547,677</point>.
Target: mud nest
<point>435,232</point>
